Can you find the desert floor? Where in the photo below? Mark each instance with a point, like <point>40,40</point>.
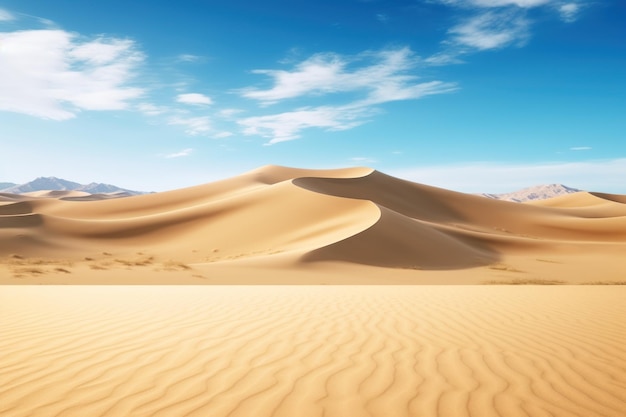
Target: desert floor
<point>312,351</point>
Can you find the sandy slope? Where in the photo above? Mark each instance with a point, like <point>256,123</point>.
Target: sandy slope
<point>330,351</point>
<point>303,224</point>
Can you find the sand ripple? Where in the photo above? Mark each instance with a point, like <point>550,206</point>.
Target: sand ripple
<point>312,351</point>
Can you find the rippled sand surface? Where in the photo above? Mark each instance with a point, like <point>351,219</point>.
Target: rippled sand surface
<point>312,351</point>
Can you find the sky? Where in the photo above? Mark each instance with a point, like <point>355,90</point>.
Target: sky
<point>469,95</point>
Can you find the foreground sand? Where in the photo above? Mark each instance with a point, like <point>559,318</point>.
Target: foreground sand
<point>332,351</point>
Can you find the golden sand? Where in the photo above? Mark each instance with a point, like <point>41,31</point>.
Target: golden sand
<point>330,351</point>
<point>291,226</point>
<point>538,349</point>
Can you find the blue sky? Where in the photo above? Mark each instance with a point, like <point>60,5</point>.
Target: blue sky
<point>473,95</point>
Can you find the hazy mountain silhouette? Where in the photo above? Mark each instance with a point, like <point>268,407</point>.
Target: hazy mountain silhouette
<point>59,184</point>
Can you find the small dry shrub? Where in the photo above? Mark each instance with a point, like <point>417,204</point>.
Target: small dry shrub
<point>175,265</point>
<point>504,267</point>
<point>528,281</point>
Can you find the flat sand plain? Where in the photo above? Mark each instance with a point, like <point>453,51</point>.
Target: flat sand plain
<point>332,351</point>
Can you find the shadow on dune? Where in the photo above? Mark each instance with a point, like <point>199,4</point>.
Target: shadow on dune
<point>356,216</point>
<point>21,207</point>
<point>415,229</point>
<point>616,198</point>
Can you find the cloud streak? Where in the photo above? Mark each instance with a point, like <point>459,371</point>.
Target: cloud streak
<point>569,11</point>
<point>497,3</point>
<point>495,24</point>
<point>368,80</point>
<point>378,76</point>
<point>491,30</point>
<point>193,125</point>
<point>194,98</point>
<point>6,16</point>
<point>183,153</point>
<point>286,126</point>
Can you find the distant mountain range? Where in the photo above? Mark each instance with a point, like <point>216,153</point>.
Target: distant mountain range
<point>539,192</point>
<point>4,185</point>
<point>58,184</point>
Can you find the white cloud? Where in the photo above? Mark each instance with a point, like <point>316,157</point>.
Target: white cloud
<point>319,74</point>
<point>150,109</point>
<point>394,92</point>
<point>371,79</point>
<point>228,113</point>
<point>184,152</point>
<point>499,3</point>
<point>222,135</point>
<point>54,74</point>
<point>580,148</point>
<point>188,58</point>
<point>491,30</point>
<point>286,126</point>
<point>6,16</point>
<point>362,160</point>
<point>193,125</point>
<point>496,24</point>
<point>569,11</point>
<point>444,58</point>
<point>479,177</point>
<point>382,18</point>
<point>387,78</point>
<point>194,98</point>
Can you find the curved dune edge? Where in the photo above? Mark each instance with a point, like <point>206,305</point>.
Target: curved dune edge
<point>284,351</point>
<point>298,220</point>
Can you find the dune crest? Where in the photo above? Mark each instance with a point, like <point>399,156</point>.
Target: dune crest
<point>279,216</point>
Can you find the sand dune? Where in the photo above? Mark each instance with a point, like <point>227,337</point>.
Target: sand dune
<point>301,350</point>
<point>297,220</point>
<point>446,351</point>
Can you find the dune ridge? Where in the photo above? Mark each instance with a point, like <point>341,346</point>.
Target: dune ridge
<point>303,219</point>
<point>448,351</point>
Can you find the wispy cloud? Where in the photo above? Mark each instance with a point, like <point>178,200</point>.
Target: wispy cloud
<point>383,18</point>
<point>287,126</point>
<point>53,74</point>
<point>495,178</point>
<point>362,160</point>
<point>228,113</point>
<point>180,154</point>
<point>6,16</point>
<point>378,76</point>
<point>194,98</point>
<point>193,125</point>
<point>150,109</point>
<point>494,24</point>
<point>188,58</point>
<point>492,30</point>
<point>580,148</point>
<point>569,11</point>
<point>369,79</point>
<point>497,3</point>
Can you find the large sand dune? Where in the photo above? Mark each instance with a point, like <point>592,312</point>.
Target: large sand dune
<point>294,225</point>
<point>332,351</point>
